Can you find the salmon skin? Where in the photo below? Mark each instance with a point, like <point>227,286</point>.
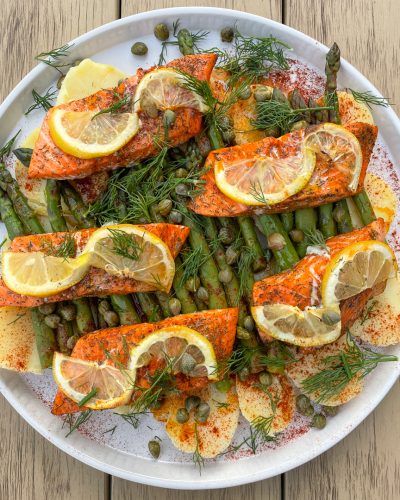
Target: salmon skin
<point>48,161</point>
<point>300,286</point>
<point>328,182</point>
<point>97,282</point>
<point>218,326</point>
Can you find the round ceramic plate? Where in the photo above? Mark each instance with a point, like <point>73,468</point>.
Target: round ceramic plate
<point>123,451</point>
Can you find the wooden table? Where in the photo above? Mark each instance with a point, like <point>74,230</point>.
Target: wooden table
<point>366,465</point>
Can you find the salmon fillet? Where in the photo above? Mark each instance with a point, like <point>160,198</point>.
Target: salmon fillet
<point>48,161</point>
<point>300,286</point>
<point>327,184</point>
<point>97,282</point>
<point>218,326</point>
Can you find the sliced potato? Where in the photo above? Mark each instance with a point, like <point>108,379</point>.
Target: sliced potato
<point>255,403</point>
<point>380,323</point>
<point>352,111</point>
<point>382,198</point>
<point>311,362</point>
<point>18,350</point>
<point>215,435</point>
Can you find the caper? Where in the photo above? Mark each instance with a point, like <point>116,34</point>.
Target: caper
<point>52,320</point>
<point>164,207</point>
<point>192,402</point>
<point>339,214</point>
<point>193,284</point>
<point>318,421</point>
<point>304,406</point>
<point>60,81</point>
<point>226,235</point>
<point>330,318</point>
<point>298,125</point>
<point>47,309</point>
<point>67,311</point>
<point>227,34</point>
<point>248,323</point>
<point>202,294</point>
<point>202,412</point>
<point>262,93</point>
<point>242,333</point>
<point>244,374</point>
<point>111,318</point>
<point>276,241</point>
<point>228,136</point>
<point>188,363</point>
<point>231,255</point>
<point>175,306</point>
<point>175,217</point>
<point>161,32</point>
<point>182,415</point>
<point>223,385</point>
<point>154,448</point>
<point>169,118</point>
<point>245,93</point>
<point>225,122</point>
<point>182,190</point>
<point>265,378</point>
<point>330,411</point>
<point>185,42</point>
<point>296,235</point>
<point>72,341</point>
<point>103,307</point>
<point>225,276</point>
<point>272,132</point>
<point>139,49</point>
<point>181,173</point>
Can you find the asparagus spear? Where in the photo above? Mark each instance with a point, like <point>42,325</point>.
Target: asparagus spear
<point>342,216</point>
<point>150,307</point>
<point>364,207</point>
<point>327,224</point>
<point>249,234</point>
<point>332,67</point>
<point>45,339</point>
<point>186,300</point>
<point>124,307</point>
<point>76,206</point>
<point>9,217</point>
<point>306,221</point>
<point>53,201</point>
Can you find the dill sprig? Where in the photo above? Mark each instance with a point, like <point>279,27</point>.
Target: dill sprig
<point>65,249</point>
<point>244,268</point>
<point>88,397</point>
<point>197,457</point>
<point>18,317</point>
<point>274,113</point>
<point>194,39</point>
<point>347,365</point>
<point>367,312</point>
<point>124,244</point>
<point>370,99</point>
<point>42,101</point>
<point>314,237</point>
<point>120,105</point>
<point>111,431</point>
<point>7,148</point>
<point>52,58</point>
<point>192,260</point>
<point>74,424</point>
<point>257,192</point>
<point>132,418</point>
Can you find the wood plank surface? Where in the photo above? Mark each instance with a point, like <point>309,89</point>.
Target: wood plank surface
<point>31,467</point>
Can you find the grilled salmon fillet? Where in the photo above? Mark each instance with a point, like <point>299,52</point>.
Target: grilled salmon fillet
<point>97,282</point>
<point>328,183</point>
<point>48,161</point>
<point>218,326</point>
<point>297,286</point>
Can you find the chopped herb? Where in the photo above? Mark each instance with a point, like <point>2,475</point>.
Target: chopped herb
<point>7,148</point>
<point>197,457</point>
<point>315,238</point>
<point>88,397</point>
<point>221,404</point>
<point>367,312</point>
<point>370,99</point>
<point>194,39</point>
<point>19,316</point>
<point>74,424</point>
<point>42,101</point>
<point>257,193</point>
<point>52,58</point>
<point>132,418</point>
<point>120,105</point>
<point>244,269</point>
<point>111,430</point>
<point>125,245</point>
<point>192,261</point>
<point>65,249</point>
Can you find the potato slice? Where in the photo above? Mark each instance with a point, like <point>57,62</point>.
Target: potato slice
<point>382,198</point>
<point>18,350</point>
<point>255,403</point>
<point>311,362</point>
<point>352,111</point>
<point>380,323</point>
<point>215,435</point>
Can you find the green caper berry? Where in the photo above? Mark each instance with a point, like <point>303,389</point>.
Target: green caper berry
<point>169,118</point>
<point>139,49</point>
<point>182,415</point>
<point>245,93</point>
<point>111,318</point>
<point>223,385</point>
<point>225,122</point>
<point>308,411</point>
<point>265,378</point>
<point>192,402</point>
<point>193,284</point>
<point>52,320</point>
<point>226,235</point>
<point>72,341</point>
<point>338,214</point>
<point>231,255</point>
<point>175,217</point>
<point>244,374</point>
<point>276,241</point>
<point>175,306</point>
<point>103,307</point>
<point>181,173</point>
<point>318,421</point>
<point>227,34</point>
<point>302,403</point>
<point>161,32</point>
<point>242,333</point>
<point>188,363</point>
<point>330,411</point>
<point>202,294</point>
<point>164,207</point>
<point>330,318</point>
<point>185,42</point>
<point>154,448</point>
<point>272,132</point>
<point>60,81</point>
<point>296,235</point>
<point>225,276</point>
<point>262,93</point>
<point>228,136</point>
<point>202,412</point>
<point>249,324</point>
<point>182,190</point>
<point>47,309</point>
<point>298,125</point>
<point>67,311</point>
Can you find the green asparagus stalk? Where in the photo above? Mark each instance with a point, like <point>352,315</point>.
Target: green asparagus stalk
<point>287,221</point>
<point>124,307</point>
<point>163,300</point>
<point>332,67</point>
<point>249,234</point>
<point>327,224</point>
<point>150,307</point>
<point>186,300</point>
<point>84,317</point>
<point>76,206</point>
<point>342,216</point>
<point>364,207</point>
<point>9,217</point>
<point>53,201</point>
<point>306,221</point>
<point>45,339</point>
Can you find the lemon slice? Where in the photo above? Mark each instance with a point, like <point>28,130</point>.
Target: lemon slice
<point>356,268</point>
<point>132,252</point>
<point>85,135</point>
<point>78,379</point>
<point>164,88</point>
<point>313,326</point>
<point>189,352</point>
<point>40,275</point>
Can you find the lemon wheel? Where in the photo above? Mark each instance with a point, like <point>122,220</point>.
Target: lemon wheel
<point>90,384</point>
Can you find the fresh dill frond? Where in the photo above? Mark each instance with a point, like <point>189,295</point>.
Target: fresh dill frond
<point>197,457</point>
<point>111,431</point>
<point>221,404</point>
<point>52,58</point>
<point>257,192</point>
<point>367,311</point>
<point>124,244</point>
<point>8,146</point>
<point>370,99</point>
<point>192,261</point>
<point>315,238</point>
<point>76,423</point>
<point>122,104</point>
<point>354,362</point>
<point>132,418</point>
<point>42,101</point>
<point>88,397</point>
<point>65,249</point>
<point>19,315</point>
<point>245,269</point>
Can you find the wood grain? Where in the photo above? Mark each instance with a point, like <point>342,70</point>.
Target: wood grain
<point>31,467</point>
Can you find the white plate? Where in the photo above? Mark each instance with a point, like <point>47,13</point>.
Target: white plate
<point>124,454</point>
